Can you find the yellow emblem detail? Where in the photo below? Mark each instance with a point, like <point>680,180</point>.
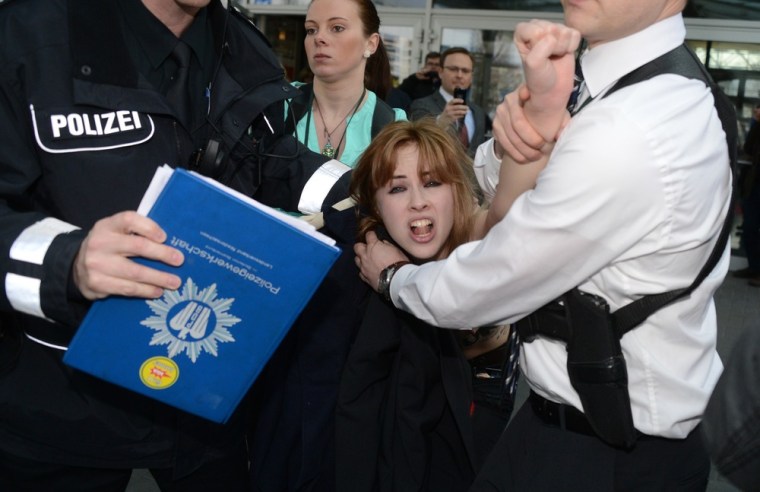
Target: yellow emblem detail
<point>159,372</point>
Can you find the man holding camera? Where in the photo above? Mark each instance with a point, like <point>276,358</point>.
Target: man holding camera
<point>426,80</point>
<point>449,104</point>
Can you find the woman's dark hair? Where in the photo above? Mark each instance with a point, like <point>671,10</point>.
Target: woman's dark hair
<point>377,72</point>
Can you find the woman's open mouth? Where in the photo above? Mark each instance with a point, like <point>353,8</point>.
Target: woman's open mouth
<point>422,229</point>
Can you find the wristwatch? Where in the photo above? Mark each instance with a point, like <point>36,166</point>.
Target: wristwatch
<point>384,282</point>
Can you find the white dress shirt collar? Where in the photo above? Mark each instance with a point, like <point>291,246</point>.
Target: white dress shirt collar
<point>607,63</point>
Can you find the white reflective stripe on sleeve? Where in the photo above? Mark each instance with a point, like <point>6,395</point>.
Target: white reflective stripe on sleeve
<point>46,344</point>
<point>32,244</point>
<point>24,294</point>
<point>319,185</point>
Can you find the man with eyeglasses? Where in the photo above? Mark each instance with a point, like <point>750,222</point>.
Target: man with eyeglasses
<point>466,119</point>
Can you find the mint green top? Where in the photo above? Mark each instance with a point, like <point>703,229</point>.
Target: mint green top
<point>359,132</point>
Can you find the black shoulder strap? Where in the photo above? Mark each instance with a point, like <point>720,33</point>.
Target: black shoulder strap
<point>383,115</point>
<point>297,107</point>
<point>678,61</point>
<point>681,61</point>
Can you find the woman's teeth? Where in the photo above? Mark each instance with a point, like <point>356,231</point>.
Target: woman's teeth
<point>422,227</point>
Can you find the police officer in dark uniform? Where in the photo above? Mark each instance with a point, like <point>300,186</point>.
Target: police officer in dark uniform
<point>94,96</point>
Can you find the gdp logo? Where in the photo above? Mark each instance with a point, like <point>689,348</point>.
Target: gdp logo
<point>190,321</point>
<point>159,373</point>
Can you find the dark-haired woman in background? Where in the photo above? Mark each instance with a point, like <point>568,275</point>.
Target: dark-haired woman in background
<point>351,78</point>
<point>292,435</point>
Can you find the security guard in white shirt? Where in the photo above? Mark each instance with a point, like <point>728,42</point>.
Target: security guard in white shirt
<point>631,202</point>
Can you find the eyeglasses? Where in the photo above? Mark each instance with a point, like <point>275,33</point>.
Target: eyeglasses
<point>463,71</point>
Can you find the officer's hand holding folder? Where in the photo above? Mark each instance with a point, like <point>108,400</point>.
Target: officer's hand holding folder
<point>248,272</point>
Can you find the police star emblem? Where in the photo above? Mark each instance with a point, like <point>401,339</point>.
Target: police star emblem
<point>192,321</point>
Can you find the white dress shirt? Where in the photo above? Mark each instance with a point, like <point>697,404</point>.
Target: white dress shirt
<point>631,203</point>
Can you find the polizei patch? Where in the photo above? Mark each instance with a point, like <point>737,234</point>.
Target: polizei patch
<point>89,129</point>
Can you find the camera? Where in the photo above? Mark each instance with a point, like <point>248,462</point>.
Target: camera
<point>461,94</point>
<point>432,75</point>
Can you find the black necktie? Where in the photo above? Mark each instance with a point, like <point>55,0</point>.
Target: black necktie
<point>510,366</point>
<point>178,94</point>
<point>578,86</point>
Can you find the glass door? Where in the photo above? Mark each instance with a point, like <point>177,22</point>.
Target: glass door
<point>402,34</point>
<point>411,28</point>
<point>497,68</point>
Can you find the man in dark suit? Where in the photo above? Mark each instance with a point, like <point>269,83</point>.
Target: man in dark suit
<point>467,120</point>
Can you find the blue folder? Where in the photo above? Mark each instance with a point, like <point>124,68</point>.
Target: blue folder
<point>247,276</point>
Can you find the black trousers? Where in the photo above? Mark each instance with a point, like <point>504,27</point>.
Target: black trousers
<point>533,456</point>
<point>23,475</point>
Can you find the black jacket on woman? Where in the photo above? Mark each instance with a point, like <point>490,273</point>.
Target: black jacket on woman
<point>403,416</point>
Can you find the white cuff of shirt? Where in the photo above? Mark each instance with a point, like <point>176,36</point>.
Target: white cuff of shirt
<point>487,165</point>
<point>398,280</point>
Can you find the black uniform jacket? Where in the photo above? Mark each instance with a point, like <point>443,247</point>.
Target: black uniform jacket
<point>81,134</point>
<point>403,416</point>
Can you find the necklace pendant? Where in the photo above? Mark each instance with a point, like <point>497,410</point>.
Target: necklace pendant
<point>328,150</point>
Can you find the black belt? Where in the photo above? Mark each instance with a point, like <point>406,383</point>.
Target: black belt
<point>569,418</point>
<point>565,417</point>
